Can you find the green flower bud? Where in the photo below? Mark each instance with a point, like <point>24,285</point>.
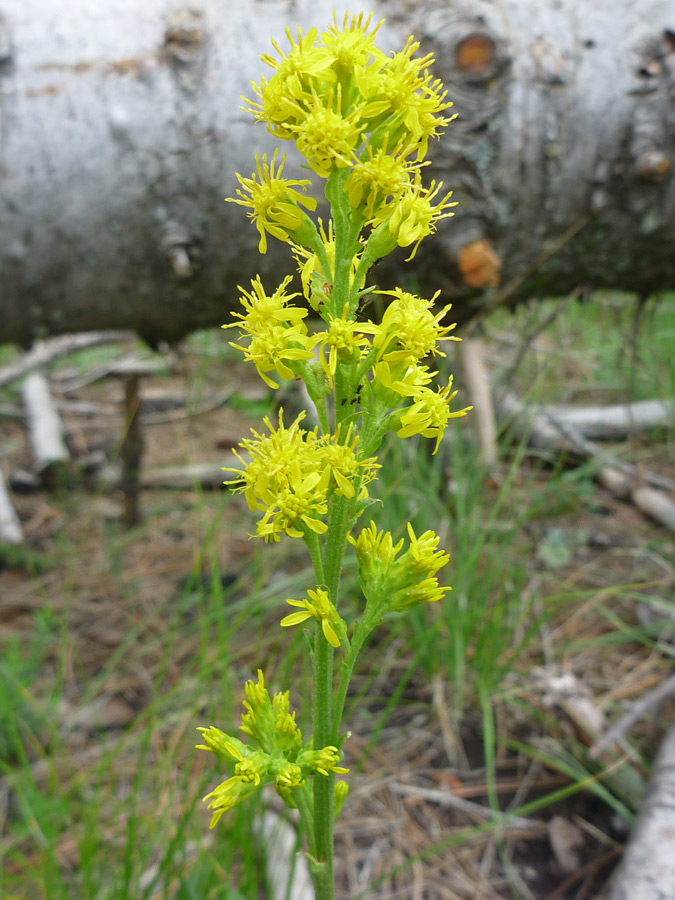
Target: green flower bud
<point>341,790</point>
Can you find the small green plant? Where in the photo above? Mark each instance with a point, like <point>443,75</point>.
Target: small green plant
<point>362,120</point>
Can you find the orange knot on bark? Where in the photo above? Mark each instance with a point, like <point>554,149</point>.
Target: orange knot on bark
<point>479,264</point>
<point>475,53</point>
<point>652,165</point>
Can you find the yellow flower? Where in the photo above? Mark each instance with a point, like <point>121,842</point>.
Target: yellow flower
<point>323,761</point>
<point>294,507</point>
<point>281,759</point>
<point>273,200</point>
<point>286,478</point>
<point>404,380</point>
<point>260,718</point>
<point>222,745</point>
<point>375,552</point>
<point>352,47</point>
<point>340,458</point>
<point>424,555</point>
<point>395,583</point>
<point>406,100</point>
<point>297,74</point>
<point>412,217</point>
<point>319,607</point>
<point>377,177</point>
<point>429,413</point>
<point>340,791</point>
<point>425,591</point>
<point>410,330</point>
<point>325,136</point>
<point>277,335</point>
<point>227,795</point>
<point>344,340</point>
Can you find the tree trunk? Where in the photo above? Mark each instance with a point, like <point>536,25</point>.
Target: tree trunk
<point>121,134</point>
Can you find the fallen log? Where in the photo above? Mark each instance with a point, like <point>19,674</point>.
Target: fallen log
<point>122,133</point>
<point>205,474</point>
<point>611,423</point>
<point>647,871</point>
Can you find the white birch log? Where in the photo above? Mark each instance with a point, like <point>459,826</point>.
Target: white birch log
<point>10,526</point>
<point>122,133</point>
<point>614,422</point>
<point>45,430</point>
<point>647,871</point>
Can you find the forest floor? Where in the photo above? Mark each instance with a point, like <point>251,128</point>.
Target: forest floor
<point>471,725</point>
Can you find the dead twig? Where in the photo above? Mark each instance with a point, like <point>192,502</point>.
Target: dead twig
<point>121,367</point>
<point>474,810</point>
<point>625,480</point>
<point>45,352</point>
<point>640,708</point>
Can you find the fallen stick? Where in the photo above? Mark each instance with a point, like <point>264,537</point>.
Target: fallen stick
<point>606,423</point>
<point>624,480</point>
<point>125,365</point>
<point>45,352</point>
<point>206,475</point>
<point>638,709</point>
<point>10,526</point>
<point>647,871</point>
<point>474,810</point>
<point>45,431</point>
<point>471,354</point>
<point>648,500</point>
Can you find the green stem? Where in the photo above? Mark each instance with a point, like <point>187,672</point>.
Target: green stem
<point>361,634</point>
<point>304,805</point>
<point>324,814</point>
<point>335,542</point>
<point>313,544</point>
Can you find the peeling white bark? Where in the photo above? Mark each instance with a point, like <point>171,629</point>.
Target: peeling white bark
<point>122,133</point>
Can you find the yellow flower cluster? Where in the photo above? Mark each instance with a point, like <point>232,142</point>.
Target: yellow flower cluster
<point>280,759</point>
<point>349,106</point>
<point>342,72</point>
<point>292,472</point>
<point>394,583</point>
<point>277,336</point>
